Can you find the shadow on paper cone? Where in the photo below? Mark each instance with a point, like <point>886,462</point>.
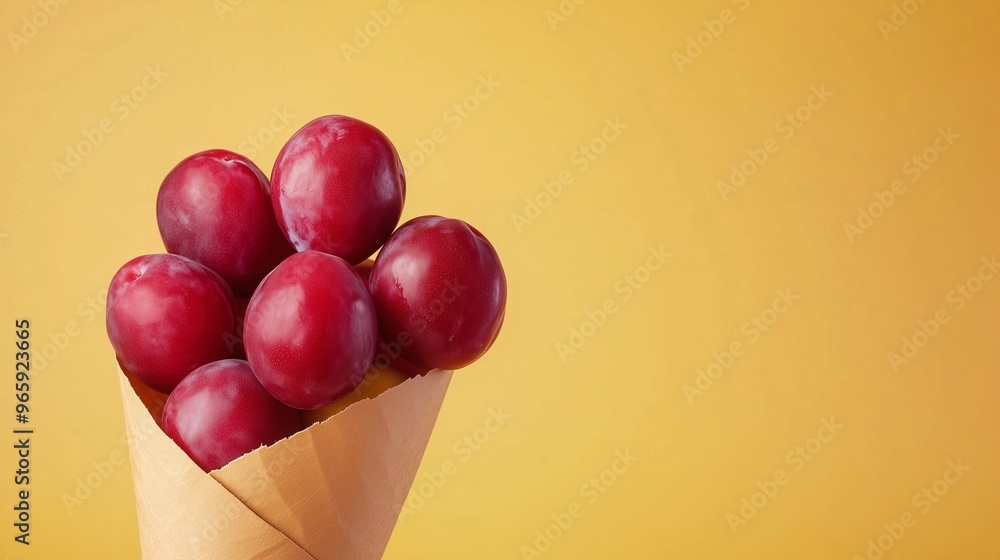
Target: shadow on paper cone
<point>333,490</point>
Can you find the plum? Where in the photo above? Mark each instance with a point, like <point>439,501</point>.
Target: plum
<point>167,315</point>
<point>338,186</point>
<point>440,290</point>
<point>310,330</point>
<point>220,412</point>
<point>214,207</point>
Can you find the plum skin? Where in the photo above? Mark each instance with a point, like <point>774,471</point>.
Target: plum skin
<point>439,282</point>
<point>220,412</point>
<point>214,207</point>
<point>310,330</point>
<point>338,186</point>
<point>167,315</point>
<point>388,353</point>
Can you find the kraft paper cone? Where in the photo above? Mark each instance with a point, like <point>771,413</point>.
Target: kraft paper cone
<point>331,491</point>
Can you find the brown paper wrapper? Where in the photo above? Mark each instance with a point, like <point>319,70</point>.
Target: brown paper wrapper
<point>331,491</point>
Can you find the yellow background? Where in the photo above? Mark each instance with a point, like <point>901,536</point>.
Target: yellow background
<point>655,184</point>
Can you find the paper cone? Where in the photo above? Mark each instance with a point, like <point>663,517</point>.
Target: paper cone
<point>331,491</point>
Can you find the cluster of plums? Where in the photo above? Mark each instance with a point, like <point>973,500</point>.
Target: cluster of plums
<point>264,315</point>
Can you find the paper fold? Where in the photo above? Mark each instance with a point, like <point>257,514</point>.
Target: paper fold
<point>333,490</point>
